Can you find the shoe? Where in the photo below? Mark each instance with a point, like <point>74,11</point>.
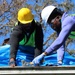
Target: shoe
<point>59,63</point>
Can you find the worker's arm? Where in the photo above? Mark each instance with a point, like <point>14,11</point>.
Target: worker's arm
<point>38,40</point>
<point>67,26</point>
<point>14,43</point>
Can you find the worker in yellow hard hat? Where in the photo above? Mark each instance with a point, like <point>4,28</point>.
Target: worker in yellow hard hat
<point>27,36</point>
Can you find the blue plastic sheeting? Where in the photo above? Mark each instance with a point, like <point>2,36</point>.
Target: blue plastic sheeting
<point>52,59</point>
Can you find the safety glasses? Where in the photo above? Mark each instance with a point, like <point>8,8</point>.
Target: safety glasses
<point>53,21</point>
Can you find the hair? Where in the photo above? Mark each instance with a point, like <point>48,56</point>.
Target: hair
<point>6,41</point>
<point>55,13</point>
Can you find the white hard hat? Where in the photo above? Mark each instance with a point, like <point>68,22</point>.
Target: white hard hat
<point>46,12</point>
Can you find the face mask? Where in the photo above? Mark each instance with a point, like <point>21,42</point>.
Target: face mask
<point>56,28</point>
<point>56,24</point>
<point>26,27</point>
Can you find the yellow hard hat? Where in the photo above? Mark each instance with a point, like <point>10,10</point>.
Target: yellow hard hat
<point>25,15</point>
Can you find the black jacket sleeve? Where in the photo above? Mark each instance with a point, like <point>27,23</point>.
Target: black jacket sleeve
<point>15,37</point>
<point>38,39</point>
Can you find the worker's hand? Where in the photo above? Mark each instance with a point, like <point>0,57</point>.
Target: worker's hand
<point>12,63</point>
<point>36,61</point>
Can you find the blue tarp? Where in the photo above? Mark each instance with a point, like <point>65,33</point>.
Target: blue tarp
<point>4,57</point>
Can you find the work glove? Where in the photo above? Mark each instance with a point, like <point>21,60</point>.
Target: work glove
<point>37,60</point>
<point>12,63</point>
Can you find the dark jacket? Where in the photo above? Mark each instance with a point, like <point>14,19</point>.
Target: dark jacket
<point>18,34</point>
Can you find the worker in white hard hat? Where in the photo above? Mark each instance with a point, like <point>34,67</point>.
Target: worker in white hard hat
<point>64,24</point>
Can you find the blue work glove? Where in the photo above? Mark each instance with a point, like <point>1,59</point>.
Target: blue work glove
<point>12,63</point>
<point>36,61</point>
